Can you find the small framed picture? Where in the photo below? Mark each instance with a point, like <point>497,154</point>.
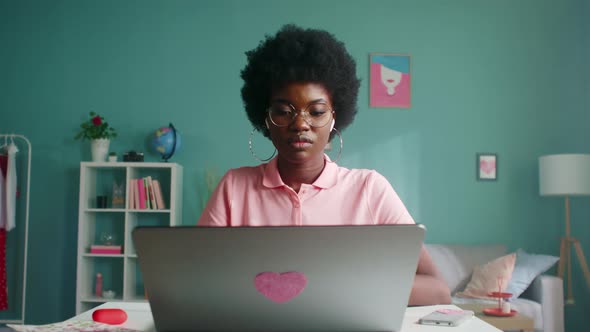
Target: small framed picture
<point>487,166</point>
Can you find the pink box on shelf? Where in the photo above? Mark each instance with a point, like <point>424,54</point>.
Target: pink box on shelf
<point>105,250</point>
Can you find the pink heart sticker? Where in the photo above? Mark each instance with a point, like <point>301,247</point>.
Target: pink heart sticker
<point>487,166</point>
<point>281,287</point>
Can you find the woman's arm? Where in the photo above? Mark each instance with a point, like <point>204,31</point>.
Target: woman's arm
<point>429,286</point>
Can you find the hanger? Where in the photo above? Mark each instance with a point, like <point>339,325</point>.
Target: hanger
<point>12,148</point>
<point>4,146</point>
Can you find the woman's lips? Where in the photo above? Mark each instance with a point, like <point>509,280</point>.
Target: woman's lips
<point>300,145</point>
<point>300,142</point>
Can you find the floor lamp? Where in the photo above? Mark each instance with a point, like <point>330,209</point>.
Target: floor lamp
<point>566,175</point>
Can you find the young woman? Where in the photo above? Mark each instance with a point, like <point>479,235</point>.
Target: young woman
<point>300,89</point>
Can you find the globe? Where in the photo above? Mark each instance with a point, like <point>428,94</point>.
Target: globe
<point>166,141</point>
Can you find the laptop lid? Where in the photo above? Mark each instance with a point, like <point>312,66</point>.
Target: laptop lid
<point>342,278</point>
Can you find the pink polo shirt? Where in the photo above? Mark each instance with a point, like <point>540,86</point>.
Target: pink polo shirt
<point>257,196</point>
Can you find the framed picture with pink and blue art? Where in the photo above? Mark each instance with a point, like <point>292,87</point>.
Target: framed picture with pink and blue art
<point>390,80</point>
<point>487,166</point>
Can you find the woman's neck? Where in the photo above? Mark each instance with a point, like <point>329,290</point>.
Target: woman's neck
<point>294,174</point>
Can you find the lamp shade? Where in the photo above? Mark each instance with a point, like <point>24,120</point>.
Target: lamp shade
<point>564,175</point>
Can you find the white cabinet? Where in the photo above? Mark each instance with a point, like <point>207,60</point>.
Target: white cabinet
<point>120,272</point>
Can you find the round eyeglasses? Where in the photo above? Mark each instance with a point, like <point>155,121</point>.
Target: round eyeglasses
<point>316,115</point>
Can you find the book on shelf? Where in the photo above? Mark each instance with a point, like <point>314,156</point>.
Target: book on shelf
<point>158,194</point>
<point>131,199</point>
<point>105,249</point>
<point>151,193</point>
<point>148,204</point>
<point>141,190</point>
<point>135,194</point>
<point>146,194</point>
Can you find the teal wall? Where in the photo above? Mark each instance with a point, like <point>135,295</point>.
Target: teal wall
<point>504,76</point>
<point>580,141</point>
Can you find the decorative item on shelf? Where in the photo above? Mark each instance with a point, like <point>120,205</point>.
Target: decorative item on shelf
<point>101,202</point>
<point>99,148</point>
<point>99,133</point>
<point>503,309</point>
<point>133,156</point>
<point>109,294</point>
<point>567,175</point>
<point>166,141</point>
<point>105,249</point>
<point>107,239</point>
<point>118,201</point>
<point>98,285</point>
<point>107,245</point>
<point>112,157</point>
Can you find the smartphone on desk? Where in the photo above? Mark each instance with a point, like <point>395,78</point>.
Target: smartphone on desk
<point>446,317</point>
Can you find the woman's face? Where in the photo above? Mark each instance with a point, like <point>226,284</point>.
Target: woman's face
<point>303,138</point>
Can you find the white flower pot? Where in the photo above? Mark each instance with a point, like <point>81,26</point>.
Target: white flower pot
<point>100,149</point>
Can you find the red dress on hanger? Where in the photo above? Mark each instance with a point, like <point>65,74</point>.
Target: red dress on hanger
<point>3,286</point>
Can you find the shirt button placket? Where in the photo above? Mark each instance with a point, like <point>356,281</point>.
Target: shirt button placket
<point>296,210</point>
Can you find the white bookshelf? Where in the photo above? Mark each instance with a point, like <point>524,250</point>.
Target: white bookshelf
<point>120,271</point>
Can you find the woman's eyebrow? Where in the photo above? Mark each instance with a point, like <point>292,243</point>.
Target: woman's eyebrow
<point>286,101</point>
<point>320,100</point>
<point>281,100</point>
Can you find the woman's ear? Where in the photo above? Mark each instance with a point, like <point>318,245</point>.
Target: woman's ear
<point>332,125</point>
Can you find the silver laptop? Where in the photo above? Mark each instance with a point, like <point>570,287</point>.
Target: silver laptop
<point>342,278</point>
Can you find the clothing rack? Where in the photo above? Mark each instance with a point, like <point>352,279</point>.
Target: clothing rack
<point>13,138</point>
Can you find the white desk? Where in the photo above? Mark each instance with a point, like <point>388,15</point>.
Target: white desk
<point>410,323</point>
<point>140,318</point>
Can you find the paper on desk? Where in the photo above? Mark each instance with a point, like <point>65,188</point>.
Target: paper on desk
<point>70,326</point>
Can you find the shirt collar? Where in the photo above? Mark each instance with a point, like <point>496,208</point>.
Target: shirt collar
<point>327,179</point>
<point>271,177</point>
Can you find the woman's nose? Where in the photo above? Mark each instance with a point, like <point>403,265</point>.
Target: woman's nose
<point>299,122</point>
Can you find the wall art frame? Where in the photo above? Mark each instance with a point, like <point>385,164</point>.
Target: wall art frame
<point>487,166</point>
<point>390,80</point>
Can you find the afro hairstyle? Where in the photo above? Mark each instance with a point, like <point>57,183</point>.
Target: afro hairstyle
<point>295,54</point>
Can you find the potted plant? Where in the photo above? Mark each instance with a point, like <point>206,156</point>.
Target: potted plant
<point>99,133</point>
<point>112,157</point>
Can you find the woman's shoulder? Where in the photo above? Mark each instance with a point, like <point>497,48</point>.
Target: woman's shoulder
<point>246,169</point>
<point>360,174</point>
<point>243,172</point>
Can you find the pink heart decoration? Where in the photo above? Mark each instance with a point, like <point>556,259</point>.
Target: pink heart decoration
<point>281,287</point>
<point>487,166</point>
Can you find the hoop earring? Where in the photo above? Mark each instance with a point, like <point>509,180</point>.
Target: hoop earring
<point>341,144</point>
<point>252,150</point>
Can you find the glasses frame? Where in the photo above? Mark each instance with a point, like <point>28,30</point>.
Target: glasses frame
<point>301,112</point>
